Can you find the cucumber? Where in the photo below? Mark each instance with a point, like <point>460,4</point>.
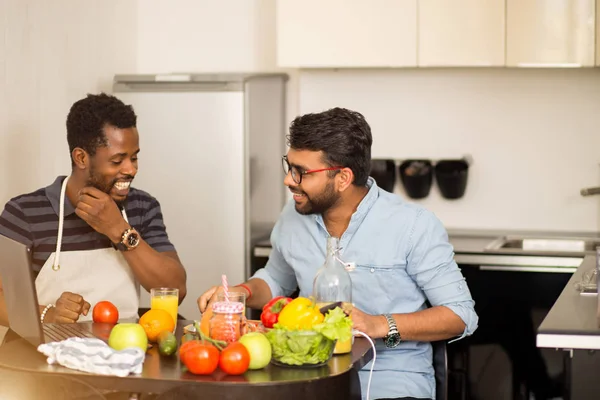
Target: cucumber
<point>167,343</point>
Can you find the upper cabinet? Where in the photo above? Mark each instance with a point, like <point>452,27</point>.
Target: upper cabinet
<point>346,33</point>
<point>550,33</point>
<point>461,33</point>
<point>437,33</point>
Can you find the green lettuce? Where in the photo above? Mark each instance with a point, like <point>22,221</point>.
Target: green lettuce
<point>336,325</point>
<point>298,347</point>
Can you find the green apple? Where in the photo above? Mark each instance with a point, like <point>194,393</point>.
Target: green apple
<point>259,348</point>
<point>127,335</point>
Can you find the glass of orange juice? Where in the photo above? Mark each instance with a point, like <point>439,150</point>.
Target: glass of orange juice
<point>165,299</point>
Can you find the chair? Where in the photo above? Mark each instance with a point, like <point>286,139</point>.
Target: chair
<point>440,366</point>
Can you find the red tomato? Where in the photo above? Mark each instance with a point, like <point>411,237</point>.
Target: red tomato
<point>190,344</point>
<point>199,358</point>
<point>105,311</point>
<point>235,359</point>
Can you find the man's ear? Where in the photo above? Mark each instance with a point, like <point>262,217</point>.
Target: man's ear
<point>81,158</point>
<point>345,178</point>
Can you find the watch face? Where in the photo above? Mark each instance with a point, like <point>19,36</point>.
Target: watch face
<point>132,239</point>
<point>392,340</point>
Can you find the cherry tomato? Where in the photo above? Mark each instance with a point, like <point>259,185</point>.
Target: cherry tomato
<point>199,358</point>
<point>106,312</point>
<point>235,359</point>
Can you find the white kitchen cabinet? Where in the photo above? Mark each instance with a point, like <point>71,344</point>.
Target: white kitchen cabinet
<point>461,33</point>
<point>346,33</point>
<point>550,33</point>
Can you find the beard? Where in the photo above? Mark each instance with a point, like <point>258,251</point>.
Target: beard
<point>99,182</point>
<point>319,203</point>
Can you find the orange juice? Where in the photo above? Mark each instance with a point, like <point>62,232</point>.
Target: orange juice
<point>345,346</point>
<point>168,302</point>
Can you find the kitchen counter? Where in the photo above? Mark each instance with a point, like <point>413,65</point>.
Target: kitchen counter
<point>472,247</point>
<point>572,322</point>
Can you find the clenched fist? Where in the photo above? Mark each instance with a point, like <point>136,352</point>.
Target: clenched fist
<point>67,309</point>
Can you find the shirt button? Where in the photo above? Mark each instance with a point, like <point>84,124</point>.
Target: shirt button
<point>372,270</point>
<point>460,287</point>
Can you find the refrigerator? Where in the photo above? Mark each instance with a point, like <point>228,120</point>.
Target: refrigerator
<point>210,153</point>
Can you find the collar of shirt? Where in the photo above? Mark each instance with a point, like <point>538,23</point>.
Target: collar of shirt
<point>53,194</point>
<point>358,216</point>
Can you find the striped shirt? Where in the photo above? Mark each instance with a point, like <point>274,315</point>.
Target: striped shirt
<point>32,219</point>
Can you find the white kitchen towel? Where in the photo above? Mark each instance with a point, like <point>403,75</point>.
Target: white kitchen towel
<point>93,355</point>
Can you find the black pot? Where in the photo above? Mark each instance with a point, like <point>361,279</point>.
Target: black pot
<point>451,176</point>
<point>416,177</point>
<point>384,173</point>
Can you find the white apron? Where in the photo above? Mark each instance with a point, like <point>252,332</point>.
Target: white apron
<point>96,275</point>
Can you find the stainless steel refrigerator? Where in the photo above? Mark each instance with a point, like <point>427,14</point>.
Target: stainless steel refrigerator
<point>211,147</point>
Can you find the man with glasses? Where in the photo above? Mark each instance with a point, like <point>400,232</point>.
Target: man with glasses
<point>403,260</point>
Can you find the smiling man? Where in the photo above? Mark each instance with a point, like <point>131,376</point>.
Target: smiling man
<point>93,236</point>
<point>406,288</point>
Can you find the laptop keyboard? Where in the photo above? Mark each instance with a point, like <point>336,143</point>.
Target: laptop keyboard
<point>58,332</point>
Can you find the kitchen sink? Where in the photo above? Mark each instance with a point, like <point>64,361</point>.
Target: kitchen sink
<point>544,244</point>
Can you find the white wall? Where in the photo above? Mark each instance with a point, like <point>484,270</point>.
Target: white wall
<point>206,35</point>
<point>534,136</point>
<point>51,54</point>
<point>210,36</point>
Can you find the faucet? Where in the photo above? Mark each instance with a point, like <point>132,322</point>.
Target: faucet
<point>590,191</point>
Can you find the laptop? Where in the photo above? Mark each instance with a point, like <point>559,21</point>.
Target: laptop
<point>21,300</point>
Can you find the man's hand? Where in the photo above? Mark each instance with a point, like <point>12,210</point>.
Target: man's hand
<point>100,211</point>
<point>208,297</point>
<point>375,326</point>
<point>68,308</point>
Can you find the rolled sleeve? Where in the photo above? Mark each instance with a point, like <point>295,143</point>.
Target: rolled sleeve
<point>431,264</point>
<point>277,273</point>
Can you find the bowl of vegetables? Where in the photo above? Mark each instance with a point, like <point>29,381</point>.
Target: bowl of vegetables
<point>300,348</point>
<point>304,337</point>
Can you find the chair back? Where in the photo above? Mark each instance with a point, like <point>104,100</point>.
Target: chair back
<point>440,366</point>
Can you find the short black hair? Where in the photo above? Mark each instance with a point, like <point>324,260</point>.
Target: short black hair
<point>343,135</point>
<point>88,117</point>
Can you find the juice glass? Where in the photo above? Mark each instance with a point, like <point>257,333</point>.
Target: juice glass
<point>234,297</point>
<point>165,299</point>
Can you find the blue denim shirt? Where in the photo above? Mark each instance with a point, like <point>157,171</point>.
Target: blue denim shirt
<point>403,260</point>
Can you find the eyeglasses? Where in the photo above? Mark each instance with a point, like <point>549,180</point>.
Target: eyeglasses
<point>297,174</point>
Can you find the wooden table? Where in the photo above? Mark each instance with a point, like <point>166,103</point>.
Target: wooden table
<point>337,379</point>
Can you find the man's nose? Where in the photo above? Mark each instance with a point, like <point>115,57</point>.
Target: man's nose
<point>288,181</point>
<point>129,168</point>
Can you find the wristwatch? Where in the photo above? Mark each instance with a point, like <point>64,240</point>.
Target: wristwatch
<point>392,339</point>
<point>130,239</point>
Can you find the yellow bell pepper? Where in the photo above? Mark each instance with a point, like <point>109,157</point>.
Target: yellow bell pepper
<point>300,313</point>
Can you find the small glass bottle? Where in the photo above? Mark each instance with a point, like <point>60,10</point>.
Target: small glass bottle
<point>226,321</point>
<point>333,284</point>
